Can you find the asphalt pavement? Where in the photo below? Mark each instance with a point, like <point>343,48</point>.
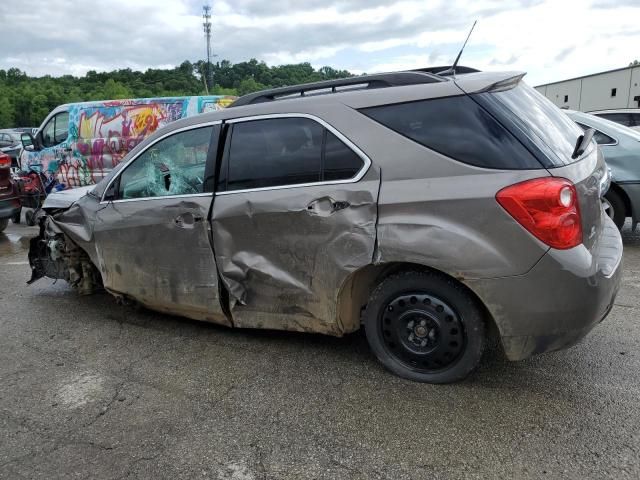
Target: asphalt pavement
<point>92,389</point>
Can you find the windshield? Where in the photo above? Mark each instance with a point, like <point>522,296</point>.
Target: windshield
<point>543,120</point>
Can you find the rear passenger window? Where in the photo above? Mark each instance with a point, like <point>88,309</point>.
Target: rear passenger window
<point>456,127</point>
<point>340,162</point>
<point>287,151</point>
<point>274,152</point>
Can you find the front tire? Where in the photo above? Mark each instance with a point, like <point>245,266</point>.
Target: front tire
<point>614,206</point>
<point>3,224</point>
<point>425,327</point>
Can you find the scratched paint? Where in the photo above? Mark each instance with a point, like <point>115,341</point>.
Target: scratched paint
<point>100,134</point>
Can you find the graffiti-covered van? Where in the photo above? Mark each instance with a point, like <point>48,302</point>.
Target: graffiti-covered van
<point>79,143</point>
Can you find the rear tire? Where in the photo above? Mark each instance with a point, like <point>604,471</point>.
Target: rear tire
<point>3,224</point>
<point>614,206</point>
<point>425,326</point>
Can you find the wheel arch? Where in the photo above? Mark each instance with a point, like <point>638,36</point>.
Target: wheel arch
<point>357,288</point>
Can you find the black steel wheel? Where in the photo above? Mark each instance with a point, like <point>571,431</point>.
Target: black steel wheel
<point>422,331</point>
<point>425,326</point>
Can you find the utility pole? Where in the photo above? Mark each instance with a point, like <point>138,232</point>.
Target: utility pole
<point>206,16</point>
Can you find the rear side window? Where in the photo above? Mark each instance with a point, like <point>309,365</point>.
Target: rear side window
<point>456,127</point>
<point>600,137</point>
<point>287,151</point>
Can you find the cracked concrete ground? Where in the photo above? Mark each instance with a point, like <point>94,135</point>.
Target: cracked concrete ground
<point>90,389</point>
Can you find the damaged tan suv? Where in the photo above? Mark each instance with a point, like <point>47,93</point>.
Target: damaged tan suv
<point>431,209</point>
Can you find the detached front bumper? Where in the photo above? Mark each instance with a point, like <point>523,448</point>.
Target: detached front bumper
<point>9,207</point>
<point>559,300</point>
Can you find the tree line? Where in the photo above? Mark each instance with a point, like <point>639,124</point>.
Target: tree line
<point>25,100</point>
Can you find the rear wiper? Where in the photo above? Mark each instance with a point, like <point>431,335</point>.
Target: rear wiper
<point>583,142</point>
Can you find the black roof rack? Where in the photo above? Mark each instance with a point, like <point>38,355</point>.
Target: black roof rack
<point>380,80</point>
<point>445,71</point>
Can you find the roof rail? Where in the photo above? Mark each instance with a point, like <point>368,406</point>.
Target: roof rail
<point>381,80</point>
<point>445,71</point>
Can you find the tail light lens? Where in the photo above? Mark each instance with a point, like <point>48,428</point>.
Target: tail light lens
<point>5,160</point>
<point>548,208</point>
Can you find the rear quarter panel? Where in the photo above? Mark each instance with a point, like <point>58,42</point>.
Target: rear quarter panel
<point>441,213</point>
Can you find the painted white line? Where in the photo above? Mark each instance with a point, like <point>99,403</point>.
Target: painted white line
<point>16,263</point>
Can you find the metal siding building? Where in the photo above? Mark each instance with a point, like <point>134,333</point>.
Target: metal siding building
<point>600,91</point>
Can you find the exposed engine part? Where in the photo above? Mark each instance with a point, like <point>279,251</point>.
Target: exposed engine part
<point>56,256</point>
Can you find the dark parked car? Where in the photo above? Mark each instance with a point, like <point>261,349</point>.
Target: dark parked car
<point>432,210</point>
<point>9,200</point>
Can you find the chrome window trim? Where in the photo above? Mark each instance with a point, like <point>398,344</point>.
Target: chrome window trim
<point>131,160</point>
<point>146,199</point>
<point>363,156</point>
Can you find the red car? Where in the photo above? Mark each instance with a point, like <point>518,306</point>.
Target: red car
<point>9,199</point>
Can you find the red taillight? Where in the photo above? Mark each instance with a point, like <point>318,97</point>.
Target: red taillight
<point>5,160</point>
<point>546,207</point>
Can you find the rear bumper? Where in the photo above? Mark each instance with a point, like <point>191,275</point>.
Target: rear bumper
<point>9,207</point>
<point>559,300</point>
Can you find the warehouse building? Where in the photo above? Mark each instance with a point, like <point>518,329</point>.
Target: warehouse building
<point>618,88</point>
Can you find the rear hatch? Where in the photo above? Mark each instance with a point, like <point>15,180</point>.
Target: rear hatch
<point>551,136</point>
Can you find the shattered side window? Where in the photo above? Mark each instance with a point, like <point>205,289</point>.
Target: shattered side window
<point>173,166</point>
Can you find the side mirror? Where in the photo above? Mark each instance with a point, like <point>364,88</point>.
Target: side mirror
<point>28,142</point>
<point>112,192</point>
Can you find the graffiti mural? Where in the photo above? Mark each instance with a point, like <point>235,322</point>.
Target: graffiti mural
<point>100,134</point>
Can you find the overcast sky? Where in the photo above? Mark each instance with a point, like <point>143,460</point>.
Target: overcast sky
<point>550,39</point>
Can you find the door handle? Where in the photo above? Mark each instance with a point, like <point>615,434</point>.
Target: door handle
<point>339,206</point>
<point>187,220</point>
<point>326,206</point>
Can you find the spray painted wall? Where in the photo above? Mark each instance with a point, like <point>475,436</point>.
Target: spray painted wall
<point>100,134</point>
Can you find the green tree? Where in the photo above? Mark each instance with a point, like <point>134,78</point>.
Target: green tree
<point>113,90</point>
<point>6,109</point>
<point>249,85</point>
<point>39,107</point>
